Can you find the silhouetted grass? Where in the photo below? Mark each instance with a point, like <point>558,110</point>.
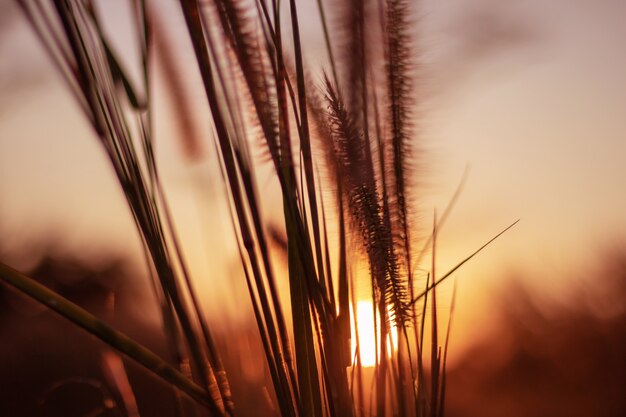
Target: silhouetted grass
<point>365,132</point>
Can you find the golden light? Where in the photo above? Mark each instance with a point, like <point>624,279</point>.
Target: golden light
<point>366,333</point>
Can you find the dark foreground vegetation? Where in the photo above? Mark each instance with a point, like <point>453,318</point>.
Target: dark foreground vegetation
<point>545,358</point>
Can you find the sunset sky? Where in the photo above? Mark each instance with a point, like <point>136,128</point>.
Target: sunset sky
<point>530,95</point>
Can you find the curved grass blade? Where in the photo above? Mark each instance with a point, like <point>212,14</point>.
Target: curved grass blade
<point>108,335</point>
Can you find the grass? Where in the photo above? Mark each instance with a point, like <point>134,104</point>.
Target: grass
<point>342,151</point>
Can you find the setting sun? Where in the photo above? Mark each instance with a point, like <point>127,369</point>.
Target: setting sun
<point>366,332</point>
<point>254,208</point>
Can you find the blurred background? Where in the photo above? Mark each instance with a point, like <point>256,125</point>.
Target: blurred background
<point>529,95</point>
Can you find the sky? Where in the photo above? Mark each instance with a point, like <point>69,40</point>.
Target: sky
<point>529,96</point>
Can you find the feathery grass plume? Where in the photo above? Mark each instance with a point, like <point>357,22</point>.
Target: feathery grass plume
<point>355,63</point>
<point>353,57</point>
<point>322,134</point>
<point>253,62</point>
<point>356,173</point>
<point>363,203</point>
<point>398,150</point>
<point>399,105</point>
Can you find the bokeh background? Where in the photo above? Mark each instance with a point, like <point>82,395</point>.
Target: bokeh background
<point>528,98</point>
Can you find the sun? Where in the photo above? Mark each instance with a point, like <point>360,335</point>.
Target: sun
<point>367,339</point>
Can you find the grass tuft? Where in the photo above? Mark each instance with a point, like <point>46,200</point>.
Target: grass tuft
<point>343,163</point>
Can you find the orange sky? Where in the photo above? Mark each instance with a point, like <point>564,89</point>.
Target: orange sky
<point>530,95</point>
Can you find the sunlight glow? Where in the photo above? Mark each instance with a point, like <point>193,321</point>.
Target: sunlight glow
<point>367,341</point>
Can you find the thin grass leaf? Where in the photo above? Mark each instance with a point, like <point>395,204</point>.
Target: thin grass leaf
<point>463,262</point>
<point>305,142</point>
<point>442,385</point>
<point>195,28</point>
<point>108,335</point>
<point>327,41</point>
<point>434,337</point>
<point>251,62</point>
